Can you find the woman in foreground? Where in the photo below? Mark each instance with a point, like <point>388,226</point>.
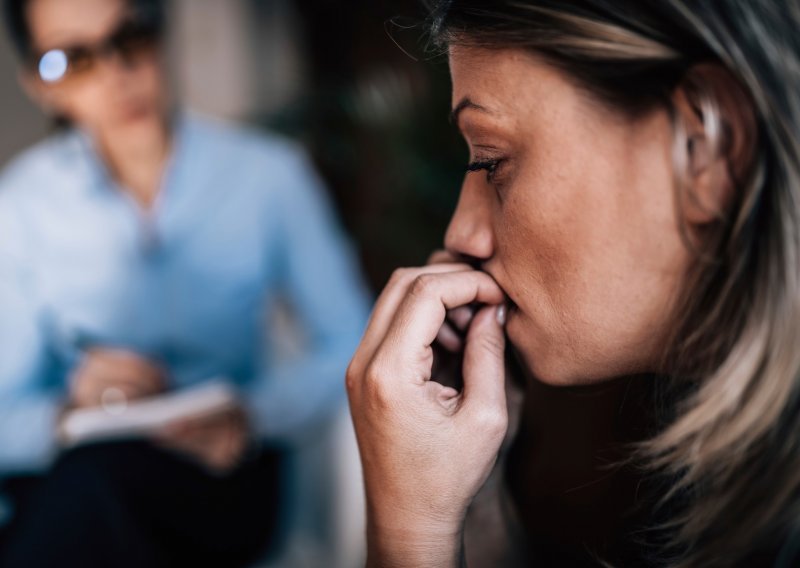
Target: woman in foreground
<point>631,212</point>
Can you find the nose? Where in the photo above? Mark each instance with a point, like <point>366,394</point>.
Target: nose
<point>470,233</point>
<point>111,60</point>
<point>114,67</point>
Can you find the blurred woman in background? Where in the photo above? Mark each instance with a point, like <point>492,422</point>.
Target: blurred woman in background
<point>630,221</point>
<point>141,249</point>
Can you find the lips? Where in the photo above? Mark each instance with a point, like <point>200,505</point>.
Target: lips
<point>511,305</point>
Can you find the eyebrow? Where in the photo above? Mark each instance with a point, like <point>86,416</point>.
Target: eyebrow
<point>61,38</point>
<point>464,104</point>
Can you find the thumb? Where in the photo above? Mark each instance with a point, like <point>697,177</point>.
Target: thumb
<point>484,361</point>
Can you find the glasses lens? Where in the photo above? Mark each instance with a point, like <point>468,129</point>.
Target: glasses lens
<point>80,59</point>
<point>57,65</point>
<point>53,66</point>
<point>131,41</point>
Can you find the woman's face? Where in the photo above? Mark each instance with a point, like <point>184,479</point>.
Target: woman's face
<point>575,217</point>
<point>116,93</point>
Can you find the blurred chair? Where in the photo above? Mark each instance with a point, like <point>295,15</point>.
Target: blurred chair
<point>325,508</point>
<point>326,521</point>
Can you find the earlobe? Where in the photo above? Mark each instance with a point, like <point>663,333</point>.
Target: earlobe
<point>715,142</point>
<point>707,184</point>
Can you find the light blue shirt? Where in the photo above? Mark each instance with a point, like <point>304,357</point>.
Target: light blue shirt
<point>240,221</point>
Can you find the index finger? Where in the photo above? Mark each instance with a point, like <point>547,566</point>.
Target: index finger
<point>443,257</point>
<point>424,309</point>
<point>386,307</point>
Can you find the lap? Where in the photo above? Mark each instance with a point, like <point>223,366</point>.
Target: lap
<point>147,507</point>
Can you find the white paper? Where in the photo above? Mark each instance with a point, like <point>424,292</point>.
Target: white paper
<point>140,418</point>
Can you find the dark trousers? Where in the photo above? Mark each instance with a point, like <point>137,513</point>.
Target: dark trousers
<point>130,504</point>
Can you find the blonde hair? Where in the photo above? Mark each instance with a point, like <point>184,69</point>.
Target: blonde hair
<point>732,444</point>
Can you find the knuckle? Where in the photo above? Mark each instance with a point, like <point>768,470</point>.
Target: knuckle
<point>401,275</point>
<point>375,387</point>
<point>493,421</point>
<point>423,285</point>
<point>373,375</point>
<point>352,377</point>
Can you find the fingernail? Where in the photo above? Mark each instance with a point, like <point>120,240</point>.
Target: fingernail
<point>501,314</point>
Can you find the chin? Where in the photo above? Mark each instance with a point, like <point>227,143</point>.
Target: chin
<point>531,367</point>
<point>545,365</point>
<point>552,360</point>
<point>555,375</point>
<point>135,114</point>
<point>556,379</point>
<point>534,358</point>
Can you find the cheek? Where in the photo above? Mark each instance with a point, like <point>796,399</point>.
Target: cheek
<point>150,79</point>
<point>538,270</point>
<point>84,103</point>
<point>592,256</point>
<point>93,103</point>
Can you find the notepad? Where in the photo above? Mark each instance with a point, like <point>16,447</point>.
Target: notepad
<point>140,418</point>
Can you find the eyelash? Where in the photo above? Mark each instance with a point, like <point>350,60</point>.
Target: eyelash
<point>489,166</point>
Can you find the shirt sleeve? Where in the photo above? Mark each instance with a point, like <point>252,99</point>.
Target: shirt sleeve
<point>29,407</point>
<point>320,278</point>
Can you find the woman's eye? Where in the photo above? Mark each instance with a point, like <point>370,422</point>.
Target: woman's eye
<point>489,166</point>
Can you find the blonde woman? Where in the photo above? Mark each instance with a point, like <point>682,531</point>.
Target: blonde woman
<point>630,216</point>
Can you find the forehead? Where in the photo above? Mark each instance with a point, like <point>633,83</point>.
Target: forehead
<point>54,22</point>
<point>507,82</point>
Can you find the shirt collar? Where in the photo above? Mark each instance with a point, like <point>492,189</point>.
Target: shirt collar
<point>81,152</point>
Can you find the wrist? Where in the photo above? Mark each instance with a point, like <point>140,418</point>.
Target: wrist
<point>417,545</point>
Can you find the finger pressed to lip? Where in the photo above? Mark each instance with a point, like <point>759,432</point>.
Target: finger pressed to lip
<point>423,310</point>
<point>386,307</point>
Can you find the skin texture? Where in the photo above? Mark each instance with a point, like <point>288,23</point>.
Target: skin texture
<point>123,106</point>
<point>578,223</point>
<point>575,231</point>
<point>408,424</point>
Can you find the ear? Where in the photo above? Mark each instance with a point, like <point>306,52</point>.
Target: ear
<point>716,152</point>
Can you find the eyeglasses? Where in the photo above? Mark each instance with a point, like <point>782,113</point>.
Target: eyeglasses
<point>132,40</point>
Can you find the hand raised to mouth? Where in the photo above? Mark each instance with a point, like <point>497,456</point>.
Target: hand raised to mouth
<point>445,440</point>
<point>449,346</point>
